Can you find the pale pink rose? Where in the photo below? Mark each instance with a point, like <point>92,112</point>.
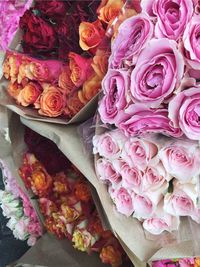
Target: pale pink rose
<point>31,241</point>
<point>138,120</point>
<point>132,36</point>
<point>21,229</point>
<point>184,111</point>
<point>143,206</point>
<point>123,201</point>
<point>172,16</point>
<point>191,42</point>
<point>155,182</point>
<point>109,144</point>
<point>107,172</point>
<point>158,72</point>
<point>139,152</point>
<point>115,87</point>
<point>181,159</point>
<point>160,222</point>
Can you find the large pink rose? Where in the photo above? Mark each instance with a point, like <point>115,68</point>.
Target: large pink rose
<point>132,36</point>
<point>181,159</point>
<point>123,201</point>
<point>107,172</point>
<point>184,111</point>
<point>191,39</point>
<point>109,144</point>
<point>115,87</point>
<point>172,16</point>
<point>138,120</point>
<point>158,72</point>
<point>160,222</point>
<point>155,182</point>
<point>143,206</point>
<point>139,152</point>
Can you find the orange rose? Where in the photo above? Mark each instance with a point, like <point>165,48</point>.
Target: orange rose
<point>80,68</point>
<point>90,88</point>
<point>70,214</point>
<point>29,94</point>
<point>60,184</point>
<point>111,255</point>
<point>100,63</point>
<point>109,10</point>
<point>73,106</point>
<point>82,191</point>
<point>90,34</point>
<point>197,262</point>
<point>65,82</point>
<point>14,89</point>
<point>52,101</point>
<point>11,67</point>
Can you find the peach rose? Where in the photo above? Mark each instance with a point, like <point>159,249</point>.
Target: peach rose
<point>14,89</point>
<point>64,82</point>
<point>52,102</point>
<point>100,63</point>
<point>73,106</point>
<point>29,94</point>
<point>90,88</point>
<point>109,10</point>
<point>90,34</point>
<point>11,67</point>
<point>80,67</point>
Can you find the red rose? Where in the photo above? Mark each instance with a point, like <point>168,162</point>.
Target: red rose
<point>38,34</point>
<point>53,9</point>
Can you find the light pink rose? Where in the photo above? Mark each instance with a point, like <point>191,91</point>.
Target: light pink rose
<point>184,111</point>
<point>31,241</point>
<point>161,221</point>
<point>123,201</point>
<point>138,120</point>
<point>178,203</point>
<point>139,152</point>
<point>107,172</point>
<point>172,16</point>
<point>196,215</point>
<point>143,206</point>
<point>155,182</point>
<point>181,159</point>
<point>109,144</point>
<point>158,72</point>
<point>133,34</point>
<point>115,87</point>
<point>191,39</point>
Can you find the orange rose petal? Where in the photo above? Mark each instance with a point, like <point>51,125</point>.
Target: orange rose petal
<point>82,97</point>
<point>110,10</point>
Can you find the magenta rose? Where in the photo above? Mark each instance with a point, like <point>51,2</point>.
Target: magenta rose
<point>158,72</point>
<point>143,206</point>
<point>164,263</point>
<point>184,111</point>
<point>107,172</point>
<point>138,120</point>
<point>109,144</point>
<point>191,39</point>
<point>186,262</point>
<point>139,152</point>
<point>133,34</point>
<point>123,201</point>
<point>181,159</point>
<point>172,16</point>
<point>115,87</point>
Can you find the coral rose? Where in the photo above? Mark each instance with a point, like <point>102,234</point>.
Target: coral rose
<point>109,10</point>
<point>14,89</point>
<point>64,82</point>
<point>52,102</point>
<point>91,34</point>
<point>29,94</point>
<point>100,63</point>
<point>109,255</point>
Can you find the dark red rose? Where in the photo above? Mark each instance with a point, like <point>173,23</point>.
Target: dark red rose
<point>53,9</point>
<point>38,34</point>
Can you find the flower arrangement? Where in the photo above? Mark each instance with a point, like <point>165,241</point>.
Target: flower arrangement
<point>184,262</point>
<point>16,206</point>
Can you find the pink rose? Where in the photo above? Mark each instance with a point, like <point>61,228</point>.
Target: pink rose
<point>184,112</point>
<point>191,42</point>
<point>143,206</point>
<point>161,221</point>
<point>31,241</point>
<point>138,120</point>
<point>139,152</point>
<point>181,159</point>
<point>158,72</point>
<point>164,263</point>
<point>172,16</point>
<point>133,34</point>
<point>107,172</point>
<point>123,201</point>
<point>155,182</point>
<point>109,144</point>
<point>115,87</point>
